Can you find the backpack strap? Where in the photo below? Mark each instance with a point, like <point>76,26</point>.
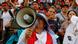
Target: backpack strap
<point>62,16</point>
<point>58,22</point>
<point>11,14</point>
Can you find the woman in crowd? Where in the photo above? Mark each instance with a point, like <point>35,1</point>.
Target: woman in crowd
<point>37,35</point>
<point>71,34</point>
<point>66,24</point>
<point>53,19</point>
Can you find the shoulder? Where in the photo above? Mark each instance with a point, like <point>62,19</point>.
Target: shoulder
<point>58,14</point>
<point>21,38</point>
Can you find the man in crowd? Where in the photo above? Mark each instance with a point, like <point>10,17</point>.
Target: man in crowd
<point>63,15</point>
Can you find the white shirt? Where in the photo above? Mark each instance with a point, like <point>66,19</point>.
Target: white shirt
<point>72,31</point>
<point>41,38</point>
<point>60,16</point>
<point>6,19</point>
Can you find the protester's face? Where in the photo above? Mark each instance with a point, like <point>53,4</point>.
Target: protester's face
<point>51,13</point>
<point>5,6</point>
<point>35,6</point>
<point>40,26</point>
<point>71,13</point>
<point>65,9</point>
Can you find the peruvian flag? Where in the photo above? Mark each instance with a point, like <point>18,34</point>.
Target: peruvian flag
<point>43,38</point>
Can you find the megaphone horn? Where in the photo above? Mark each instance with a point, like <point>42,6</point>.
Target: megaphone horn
<point>26,17</point>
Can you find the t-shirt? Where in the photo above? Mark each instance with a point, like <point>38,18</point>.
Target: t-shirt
<point>6,18</point>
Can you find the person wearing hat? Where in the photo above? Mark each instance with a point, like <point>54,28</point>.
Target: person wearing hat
<point>37,35</point>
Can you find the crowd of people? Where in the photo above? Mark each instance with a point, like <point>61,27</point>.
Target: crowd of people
<point>54,21</point>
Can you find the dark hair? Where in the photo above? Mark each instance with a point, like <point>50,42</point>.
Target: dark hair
<point>41,3</point>
<point>73,11</point>
<point>65,5</point>
<point>70,11</point>
<point>53,24</point>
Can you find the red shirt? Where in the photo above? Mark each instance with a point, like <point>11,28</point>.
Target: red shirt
<point>33,38</point>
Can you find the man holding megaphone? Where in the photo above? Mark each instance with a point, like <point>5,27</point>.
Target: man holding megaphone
<point>37,35</point>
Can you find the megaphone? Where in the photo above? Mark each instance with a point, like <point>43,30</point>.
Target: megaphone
<point>26,17</point>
